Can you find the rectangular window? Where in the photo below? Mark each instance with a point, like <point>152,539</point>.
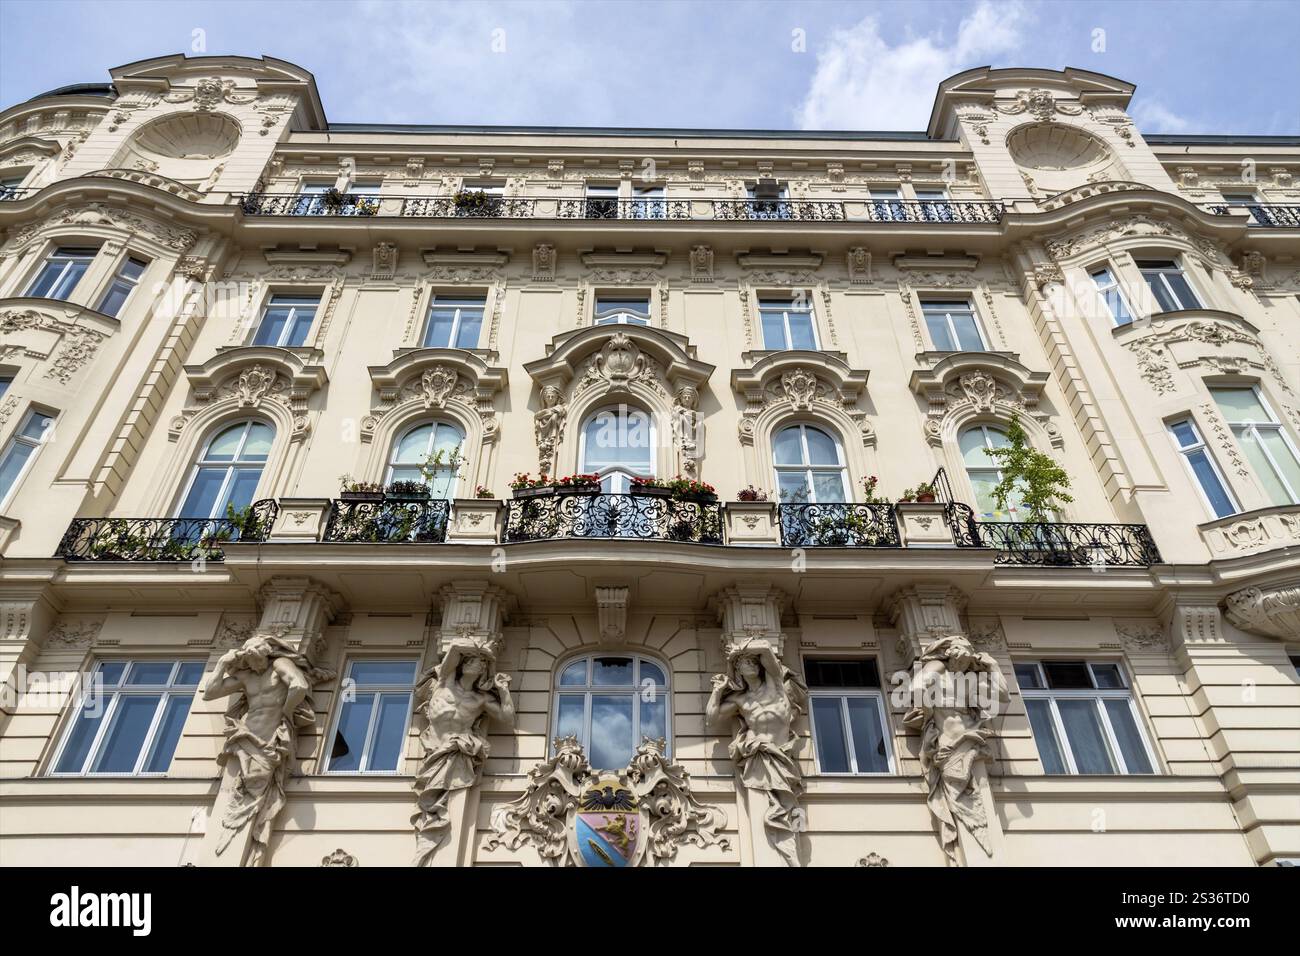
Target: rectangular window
<point>454,322</point>
<point>311,203</point>
<point>602,202</point>
<point>61,272</point>
<point>1264,441</point>
<point>1170,287</point>
<point>848,716</point>
<point>1111,296</point>
<point>953,326</point>
<point>130,719</point>
<point>5,382</point>
<point>1202,468</point>
<point>370,733</point>
<point>648,203</point>
<point>287,320</point>
<point>1083,718</point>
<point>124,283</point>
<point>887,205</point>
<point>935,206</point>
<point>20,451</point>
<point>622,310</point>
<point>787,323</point>
<point>1250,202</point>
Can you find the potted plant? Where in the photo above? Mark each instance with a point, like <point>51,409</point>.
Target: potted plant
<point>689,489</point>
<point>524,485</point>
<point>578,484</point>
<point>925,493</point>
<point>360,490</point>
<point>484,493</point>
<point>333,201</point>
<point>750,493</point>
<point>651,487</point>
<point>365,206</point>
<point>869,495</point>
<point>1033,476</point>
<point>907,497</point>
<point>407,489</point>
<point>475,202</point>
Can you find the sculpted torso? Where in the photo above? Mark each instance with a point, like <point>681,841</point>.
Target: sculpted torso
<point>765,709</point>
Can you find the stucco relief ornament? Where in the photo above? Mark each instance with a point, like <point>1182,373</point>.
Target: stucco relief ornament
<point>980,389</point>
<point>800,386</point>
<point>764,697</point>
<point>269,683</point>
<point>548,425</point>
<point>456,698</point>
<point>437,385</point>
<point>619,362</point>
<point>253,384</point>
<point>1040,104</point>
<point>687,428</point>
<point>954,715</point>
<point>1273,612</point>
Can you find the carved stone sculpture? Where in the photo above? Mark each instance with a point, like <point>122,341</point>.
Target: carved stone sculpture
<point>956,693</point>
<point>576,816</point>
<point>1271,611</point>
<point>687,428</point>
<point>765,697</point>
<point>456,698</point>
<point>548,424</point>
<point>269,683</point>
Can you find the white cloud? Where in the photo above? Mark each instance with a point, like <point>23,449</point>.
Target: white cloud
<point>862,82</point>
<point>1152,116</point>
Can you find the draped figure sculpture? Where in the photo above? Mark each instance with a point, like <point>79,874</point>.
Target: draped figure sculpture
<point>269,682</point>
<point>456,698</point>
<point>765,697</point>
<point>957,691</point>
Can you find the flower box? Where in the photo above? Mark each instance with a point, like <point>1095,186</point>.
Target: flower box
<point>543,492</point>
<point>361,495</point>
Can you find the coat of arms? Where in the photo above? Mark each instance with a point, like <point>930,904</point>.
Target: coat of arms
<point>576,816</point>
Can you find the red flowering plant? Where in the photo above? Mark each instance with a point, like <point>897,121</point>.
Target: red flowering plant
<point>522,481</point>
<point>577,481</point>
<point>683,489</point>
<point>869,495</point>
<point>750,493</point>
<point>482,491</point>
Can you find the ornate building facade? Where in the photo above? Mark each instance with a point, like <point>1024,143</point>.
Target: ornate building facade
<point>217,651</point>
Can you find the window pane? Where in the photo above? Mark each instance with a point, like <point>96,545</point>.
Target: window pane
<point>111,672</point>
<point>470,322</point>
<point>1182,290</point>
<point>792,487</point>
<point>611,731</point>
<point>1027,676</point>
<point>868,735</point>
<point>1240,405</point>
<point>654,717</point>
<point>168,734</point>
<point>801,331</point>
<point>821,448</point>
<point>654,673</point>
<point>438,333</point>
<point>1162,296</point>
<point>1285,459</point>
<point>974,450</point>
<point>773,330</point>
<point>1049,751</point>
<point>1210,484</point>
<point>841,673</point>
<point>189,675</point>
<point>386,747</point>
<point>350,737</point>
<point>35,426</point>
<point>82,736</point>
<point>1083,731</point>
<point>939,334</point>
<point>1184,433</point>
<point>828,729</point>
<point>1120,713</point>
<point>611,671</point>
<point>125,737</point>
<point>12,465</point>
<point>114,298</point>
<point>1107,676</point>
<point>150,673</point>
<point>1067,674</point>
<point>369,673</point>
<point>828,486</point>
<point>575,673</point>
<point>301,324</point>
<point>202,499</point>
<point>257,446</point>
<point>569,723</point>
<point>968,333</point>
<point>242,489</point>
<point>225,445</point>
<point>270,331</point>
<point>788,449</point>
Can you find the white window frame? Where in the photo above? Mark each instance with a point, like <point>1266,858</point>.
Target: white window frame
<point>454,336</point>
<point>120,278</point>
<point>68,261</point>
<point>165,692</point>
<point>1115,286</point>
<point>454,484</point>
<point>1273,424</point>
<point>231,466</point>
<point>18,438</point>
<point>806,466</point>
<point>378,690</point>
<point>786,306</point>
<point>1014,514</point>
<point>1174,267</point>
<point>289,324</point>
<point>623,474</point>
<point>1097,694</point>
<point>619,316</point>
<point>841,694</point>
<point>1185,452</point>
<point>635,690</point>
<point>952,328</point>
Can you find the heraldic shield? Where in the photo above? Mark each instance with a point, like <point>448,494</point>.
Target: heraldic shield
<point>607,829</point>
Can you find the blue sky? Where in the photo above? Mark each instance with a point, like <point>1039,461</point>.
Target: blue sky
<point>1216,67</point>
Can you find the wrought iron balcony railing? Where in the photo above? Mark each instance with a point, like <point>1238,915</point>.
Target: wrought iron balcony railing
<point>610,208</point>
<point>1054,544</point>
<point>164,539</point>
<point>388,520</point>
<point>1264,214</point>
<point>834,525</point>
<point>13,192</point>
<point>643,516</point>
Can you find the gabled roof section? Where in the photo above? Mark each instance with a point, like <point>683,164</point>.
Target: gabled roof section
<point>983,83</point>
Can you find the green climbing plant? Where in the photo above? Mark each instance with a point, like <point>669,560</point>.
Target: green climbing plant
<point>1030,475</point>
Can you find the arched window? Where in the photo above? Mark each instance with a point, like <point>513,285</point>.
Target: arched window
<point>413,450</point>
<point>809,466</point>
<point>618,445</point>
<point>983,472</point>
<point>609,702</point>
<point>228,470</point>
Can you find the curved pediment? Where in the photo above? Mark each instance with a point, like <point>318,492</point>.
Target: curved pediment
<point>1207,340</point>
<point>428,378</point>
<point>800,380</point>
<point>984,377</point>
<point>227,364</point>
<point>619,351</point>
<point>830,367</point>
<point>60,336</point>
